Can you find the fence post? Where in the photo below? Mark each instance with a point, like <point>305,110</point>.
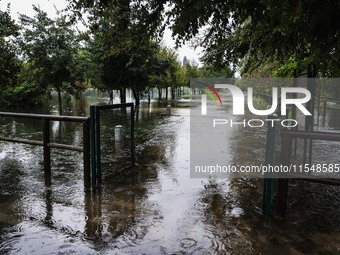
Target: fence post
<point>168,110</point>
<point>270,148</point>
<point>86,154</point>
<point>132,135</point>
<point>93,145</point>
<point>97,144</point>
<point>47,152</point>
<point>282,190</point>
<point>324,112</point>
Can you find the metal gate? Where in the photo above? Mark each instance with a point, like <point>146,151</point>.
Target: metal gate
<point>112,139</point>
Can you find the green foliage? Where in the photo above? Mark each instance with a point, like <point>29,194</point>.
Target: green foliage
<point>50,58</point>
<point>209,71</point>
<point>9,63</point>
<point>124,44</point>
<point>166,72</point>
<point>258,33</point>
<point>126,48</point>
<point>84,71</point>
<point>287,69</point>
<point>137,20</point>
<point>50,48</point>
<point>8,26</point>
<point>261,37</point>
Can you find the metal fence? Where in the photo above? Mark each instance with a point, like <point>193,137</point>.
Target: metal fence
<point>46,143</point>
<point>112,139</point>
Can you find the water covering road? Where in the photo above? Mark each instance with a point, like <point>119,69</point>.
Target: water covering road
<point>155,208</point>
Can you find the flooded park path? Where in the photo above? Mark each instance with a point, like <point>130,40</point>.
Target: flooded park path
<point>156,208</point>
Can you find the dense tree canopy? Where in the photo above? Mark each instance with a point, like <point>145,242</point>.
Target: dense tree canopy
<point>51,50</point>
<point>122,48</point>
<point>254,33</point>
<point>245,33</point>
<point>125,44</point>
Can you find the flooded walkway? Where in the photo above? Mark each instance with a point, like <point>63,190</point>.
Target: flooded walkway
<point>153,209</point>
<point>156,208</point>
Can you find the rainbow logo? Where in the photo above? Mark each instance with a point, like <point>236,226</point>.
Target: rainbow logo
<point>213,90</point>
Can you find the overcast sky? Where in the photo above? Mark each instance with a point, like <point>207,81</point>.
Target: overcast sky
<point>25,7</point>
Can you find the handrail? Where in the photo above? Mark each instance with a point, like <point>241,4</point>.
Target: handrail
<point>327,136</point>
<point>47,145</point>
<point>44,116</point>
<point>286,138</point>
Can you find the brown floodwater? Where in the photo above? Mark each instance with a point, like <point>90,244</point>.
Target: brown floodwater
<point>155,207</point>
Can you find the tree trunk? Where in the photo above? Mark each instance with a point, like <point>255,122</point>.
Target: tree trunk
<point>173,93</point>
<point>111,96</point>
<point>60,103</point>
<point>149,97</point>
<point>123,99</point>
<point>159,94</point>
<point>166,94</point>
<point>123,95</point>
<point>137,103</point>
<point>173,96</point>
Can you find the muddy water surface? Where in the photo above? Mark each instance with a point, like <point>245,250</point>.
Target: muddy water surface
<point>154,208</point>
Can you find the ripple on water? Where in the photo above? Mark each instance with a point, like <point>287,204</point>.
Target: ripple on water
<point>201,205</point>
<point>114,214</point>
<point>7,245</point>
<point>195,213</point>
<point>187,243</point>
<point>131,237</point>
<point>149,204</point>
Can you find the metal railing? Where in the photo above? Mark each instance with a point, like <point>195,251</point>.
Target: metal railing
<point>286,151</point>
<point>47,145</point>
<point>95,137</point>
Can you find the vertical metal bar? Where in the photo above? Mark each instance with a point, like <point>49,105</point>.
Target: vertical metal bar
<point>312,84</point>
<point>270,148</point>
<point>318,117</point>
<point>89,228</point>
<point>281,205</point>
<point>310,152</point>
<point>324,112</point>
<point>49,209</point>
<point>97,142</point>
<point>93,144</point>
<point>305,144</point>
<point>132,135</point>
<point>294,110</point>
<point>86,154</point>
<point>47,152</point>
<point>282,192</point>
<point>295,147</point>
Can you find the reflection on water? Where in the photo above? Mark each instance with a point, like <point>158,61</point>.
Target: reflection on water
<point>154,208</point>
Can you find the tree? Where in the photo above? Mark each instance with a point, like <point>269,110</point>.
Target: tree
<point>84,70</point>
<point>124,43</point>
<point>254,33</point>
<point>245,32</point>
<point>10,65</point>
<point>49,47</point>
<point>165,74</point>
